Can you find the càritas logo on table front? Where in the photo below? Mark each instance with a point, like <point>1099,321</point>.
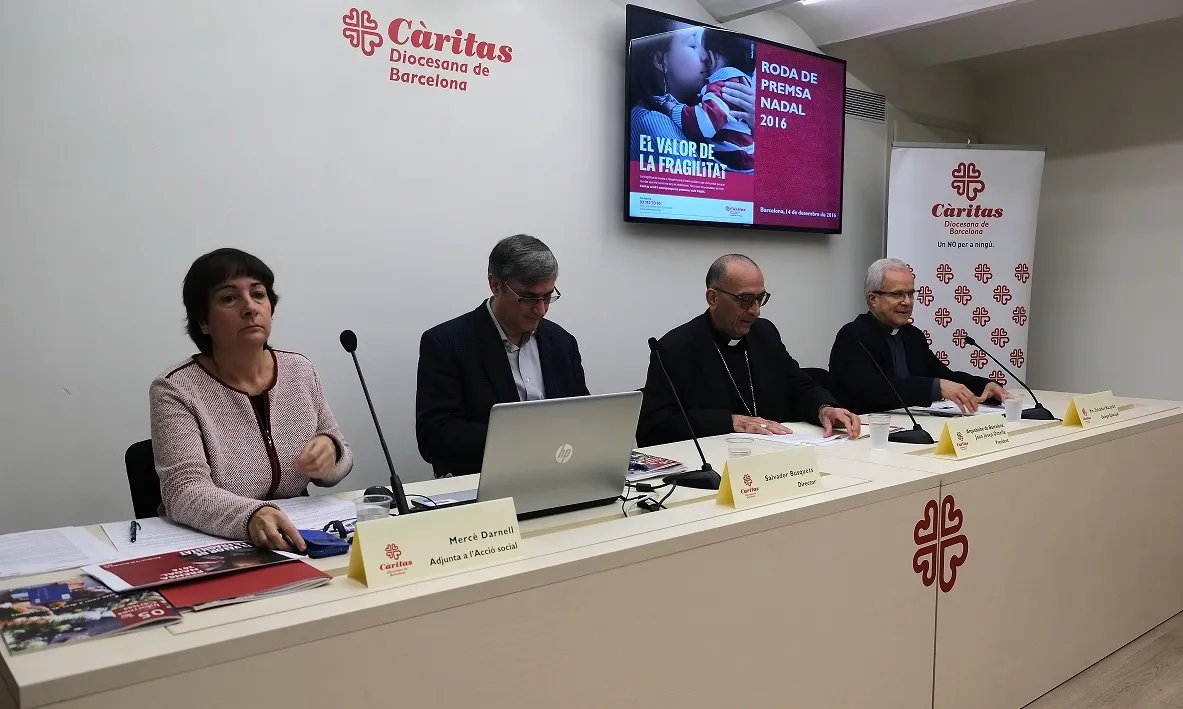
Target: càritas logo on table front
<point>397,564</point>
<point>943,549</point>
<point>962,444</point>
<point>749,486</point>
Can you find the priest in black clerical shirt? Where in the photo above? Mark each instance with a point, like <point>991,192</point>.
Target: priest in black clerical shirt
<point>732,369</point>
<point>900,349</point>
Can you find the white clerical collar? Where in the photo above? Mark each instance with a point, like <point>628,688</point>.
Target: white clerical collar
<point>895,332</point>
<point>733,343</point>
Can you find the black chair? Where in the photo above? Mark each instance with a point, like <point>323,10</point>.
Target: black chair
<point>820,376</point>
<point>142,479</point>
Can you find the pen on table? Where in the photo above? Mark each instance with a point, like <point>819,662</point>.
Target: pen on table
<point>132,529</point>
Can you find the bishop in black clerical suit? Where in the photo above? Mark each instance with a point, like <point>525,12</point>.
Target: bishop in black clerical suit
<point>732,369</point>
<point>901,351</point>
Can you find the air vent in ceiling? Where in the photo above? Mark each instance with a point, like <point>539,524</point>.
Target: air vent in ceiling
<point>866,105</point>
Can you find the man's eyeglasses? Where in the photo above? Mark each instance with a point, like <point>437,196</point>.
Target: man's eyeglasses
<point>747,300</point>
<point>896,295</point>
<point>532,299</point>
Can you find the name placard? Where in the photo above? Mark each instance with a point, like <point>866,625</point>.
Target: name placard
<point>1090,410</point>
<point>770,477</point>
<point>968,436</point>
<point>408,548</point>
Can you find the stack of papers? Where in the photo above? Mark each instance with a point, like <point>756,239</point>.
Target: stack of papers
<point>948,408</point>
<point>44,550</point>
<point>803,439</point>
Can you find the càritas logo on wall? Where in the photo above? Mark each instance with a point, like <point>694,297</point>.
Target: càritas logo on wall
<point>421,56</point>
<point>969,183</point>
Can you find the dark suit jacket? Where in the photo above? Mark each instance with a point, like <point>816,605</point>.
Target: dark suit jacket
<point>783,391</point>
<point>862,389</point>
<point>463,372</point>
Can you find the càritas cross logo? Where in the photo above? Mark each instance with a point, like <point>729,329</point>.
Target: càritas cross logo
<point>393,552</point>
<point>943,549</point>
<point>747,480</point>
<point>564,453</point>
<point>967,180</point>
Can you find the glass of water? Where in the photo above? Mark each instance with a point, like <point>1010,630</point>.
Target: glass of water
<point>1014,408</point>
<point>880,427</point>
<point>739,447</point>
<point>372,507</point>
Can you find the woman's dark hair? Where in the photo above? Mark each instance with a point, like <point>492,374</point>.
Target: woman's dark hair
<point>649,36</point>
<point>736,51</point>
<point>207,273</point>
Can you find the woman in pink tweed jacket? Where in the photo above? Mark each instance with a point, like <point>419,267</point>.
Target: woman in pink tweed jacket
<point>240,423</point>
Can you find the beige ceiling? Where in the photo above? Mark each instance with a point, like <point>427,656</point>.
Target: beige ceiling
<point>930,32</point>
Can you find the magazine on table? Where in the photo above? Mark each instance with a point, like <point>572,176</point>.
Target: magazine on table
<point>643,466</point>
<point>77,609</point>
<point>173,567</point>
<point>250,585</point>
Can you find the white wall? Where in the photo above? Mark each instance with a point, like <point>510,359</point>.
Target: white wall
<point>940,97</point>
<point>137,135</point>
<point>1108,246</point>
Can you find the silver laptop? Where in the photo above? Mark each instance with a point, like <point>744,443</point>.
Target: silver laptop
<point>558,455</point>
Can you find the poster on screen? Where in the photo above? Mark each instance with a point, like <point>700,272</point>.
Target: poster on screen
<point>963,219</point>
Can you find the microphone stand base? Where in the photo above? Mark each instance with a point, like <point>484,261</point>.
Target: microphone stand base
<point>703,479</point>
<point>1038,413</point>
<point>917,436</point>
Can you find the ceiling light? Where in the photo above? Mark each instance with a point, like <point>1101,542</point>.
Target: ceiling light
<point>809,2</point>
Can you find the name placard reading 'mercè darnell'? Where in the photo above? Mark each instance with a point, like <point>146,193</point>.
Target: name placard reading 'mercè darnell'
<point>974,435</point>
<point>771,477</point>
<point>408,548</point>
<point>1088,410</point>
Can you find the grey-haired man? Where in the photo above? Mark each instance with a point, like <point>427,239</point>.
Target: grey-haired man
<point>505,350</point>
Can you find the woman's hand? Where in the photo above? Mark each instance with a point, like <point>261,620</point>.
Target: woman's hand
<point>742,98</point>
<point>270,528</point>
<point>318,460</point>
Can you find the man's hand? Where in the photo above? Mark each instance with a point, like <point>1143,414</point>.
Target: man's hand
<point>832,417</point>
<point>318,460</point>
<point>994,390</point>
<point>270,528</point>
<point>960,395</point>
<point>753,424</point>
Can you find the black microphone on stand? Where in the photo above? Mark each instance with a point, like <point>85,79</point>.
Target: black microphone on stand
<point>917,435</point>
<point>1036,413</point>
<point>705,478</point>
<point>349,342</point>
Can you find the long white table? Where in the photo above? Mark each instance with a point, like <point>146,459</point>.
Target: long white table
<point>809,602</point>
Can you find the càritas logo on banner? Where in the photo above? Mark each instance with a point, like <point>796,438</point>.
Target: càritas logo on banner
<point>422,56</point>
<point>964,219</point>
<point>968,182</point>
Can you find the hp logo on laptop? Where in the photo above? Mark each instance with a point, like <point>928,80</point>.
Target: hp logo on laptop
<point>564,453</point>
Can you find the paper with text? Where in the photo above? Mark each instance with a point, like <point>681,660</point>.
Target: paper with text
<point>968,436</point>
<point>156,535</point>
<point>1088,410</point>
<point>409,548</point>
<point>44,550</point>
<point>771,477</point>
<point>315,512</point>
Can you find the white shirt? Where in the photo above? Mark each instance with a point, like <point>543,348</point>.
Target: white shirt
<point>524,362</point>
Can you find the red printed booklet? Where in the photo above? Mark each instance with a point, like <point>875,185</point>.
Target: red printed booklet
<point>161,569</point>
<point>251,585</point>
<point>77,609</point>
